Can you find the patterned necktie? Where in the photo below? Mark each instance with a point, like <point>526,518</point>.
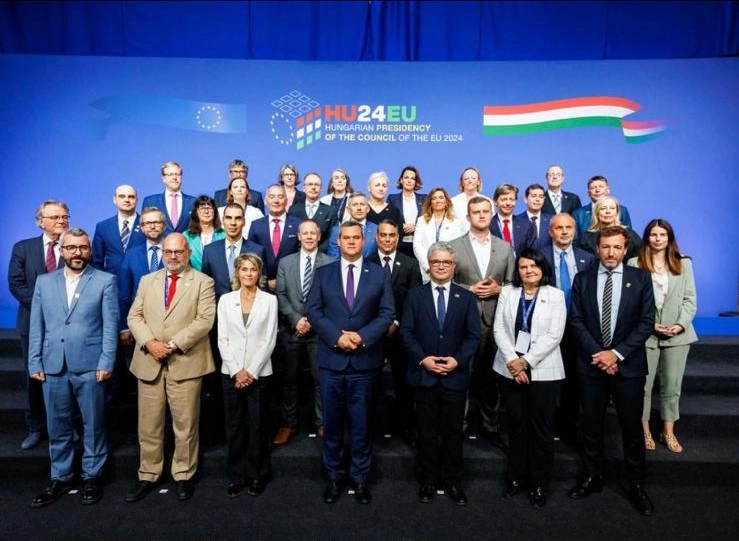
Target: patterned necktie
<point>564,279</point>
<point>276,236</point>
<point>307,276</point>
<point>440,306</point>
<point>51,263</point>
<point>557,202</point>
<point>231,259</point>
<point>125,235</point>
<point>350,286</point>
<point>172,289</point>
<point>605,319</point>
<point>506,231</point>
<point>174,213</point>
<point>154,265</point>
<point>386,266</point>
<point>536,229</point>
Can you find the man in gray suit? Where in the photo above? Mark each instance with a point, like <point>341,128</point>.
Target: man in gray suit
<point>72,349</point>
<point>484,264</point>
<point>296,340</point>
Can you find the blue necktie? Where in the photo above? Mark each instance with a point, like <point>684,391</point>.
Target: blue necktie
<point>440,306</point>
<point>231,259</point>
<point>307,275</point>
<point>564,278</point>
<point>125,235</point>
<point>154,265</point>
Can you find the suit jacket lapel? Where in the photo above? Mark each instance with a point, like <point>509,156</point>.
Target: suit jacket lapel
<point>79,290</point>
<point>61,291</point>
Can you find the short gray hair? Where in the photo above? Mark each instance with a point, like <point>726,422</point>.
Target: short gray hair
<point>441,246</point>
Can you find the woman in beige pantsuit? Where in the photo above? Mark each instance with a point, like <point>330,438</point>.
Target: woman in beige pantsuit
<point>668,347</point>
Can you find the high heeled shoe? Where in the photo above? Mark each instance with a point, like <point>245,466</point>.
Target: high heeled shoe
<point>649,444</point>
<point>671,442</point>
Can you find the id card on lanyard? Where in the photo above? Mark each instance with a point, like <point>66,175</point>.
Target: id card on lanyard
<point>523,338</point>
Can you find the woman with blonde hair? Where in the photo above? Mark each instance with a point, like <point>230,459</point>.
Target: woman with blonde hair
<point>606,212</point>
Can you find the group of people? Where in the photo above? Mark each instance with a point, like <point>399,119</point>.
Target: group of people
<point>490,322</point>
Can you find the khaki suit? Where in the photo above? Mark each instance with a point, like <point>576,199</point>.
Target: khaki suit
<point>178,380</point>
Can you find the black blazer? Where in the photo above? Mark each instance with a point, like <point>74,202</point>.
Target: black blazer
<point>522,230</point>
<point>255,198</point>
<point>325,216</point>
<point>570,202</point>
<point>634,323</point>
<point>406,275</point>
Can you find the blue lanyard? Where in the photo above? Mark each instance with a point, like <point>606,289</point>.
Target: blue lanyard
<point>438,228</point>
<point>526,307</point>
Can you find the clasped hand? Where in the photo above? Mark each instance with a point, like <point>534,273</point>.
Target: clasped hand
<point>517,368</point>
<point>607,361</point>
<point>441,366</point>
<point>349,340</point>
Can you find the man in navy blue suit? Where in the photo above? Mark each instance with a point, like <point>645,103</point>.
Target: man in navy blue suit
<point>515,230</point>
<point>175,204</point>
<point>29,259</point>
<point>565,261</point>
<point>612,315</point>
<point>350,308</point>
<point>277,233</point>
<point>358,208</point>
<point>114,235</point>
<point>440,330</point>
<point>238,169</point>
<point>311,207</point>
<point>539,220</point>
<point>72,346</point>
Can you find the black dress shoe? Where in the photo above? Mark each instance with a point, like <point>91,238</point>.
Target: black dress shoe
<point>52,493</point>
<point>640,500</point>
<point>92,491</point>
<point>426,493</point>
<point>140,491</point>
<point>586,488</point>
<point>184,489</point>
<point>538,497</point>
<point>234,489</point>
<point>332,492</point>
<point>362,493</point>
<point>256,487</point>
<point>511,489</point>
<point>456,494</point>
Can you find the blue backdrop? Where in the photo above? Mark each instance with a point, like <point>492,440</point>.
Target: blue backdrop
<point>75,127</point>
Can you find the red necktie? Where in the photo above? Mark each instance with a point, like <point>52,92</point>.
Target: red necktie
<point>172,288</point>
<point>506,231</point>
<point>174,214</point>
<point>276,236</point>
<point>51,263</point>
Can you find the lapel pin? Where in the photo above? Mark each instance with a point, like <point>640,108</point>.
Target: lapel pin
<point>456,295</point>
<point>628,284</point>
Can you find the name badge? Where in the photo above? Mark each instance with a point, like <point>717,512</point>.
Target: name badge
<point>523,342</point>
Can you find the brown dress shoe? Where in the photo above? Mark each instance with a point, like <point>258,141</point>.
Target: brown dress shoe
<point>284,435</point>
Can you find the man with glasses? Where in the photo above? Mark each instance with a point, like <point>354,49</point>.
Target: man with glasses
<point>72,347</point>
<point>440,330</point>
<point>29,259</point>
<point>170,319</point>
<point>175,205</point>
<point>312,208</point>
<point>238,169</point>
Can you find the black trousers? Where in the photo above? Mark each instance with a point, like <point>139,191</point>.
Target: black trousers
<point>628,398</point>
<point>439,436</point>
<point>482,405</point>
<point>293,351</point>
<point>247,429</point>
<point>530,422</point>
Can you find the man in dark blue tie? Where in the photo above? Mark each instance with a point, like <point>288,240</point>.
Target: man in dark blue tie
<point>350,307</point>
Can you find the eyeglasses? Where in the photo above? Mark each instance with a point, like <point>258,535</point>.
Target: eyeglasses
<point>173,253</point>
<point>441,262</point>
<point>205,207</point>
<point>151,224</point>
<point>64,218</point>
<point>172,174</point>
<point>288,174</point>
<point>73,248</point>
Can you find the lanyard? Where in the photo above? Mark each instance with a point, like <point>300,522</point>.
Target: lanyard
<point>438,228</point>
<point>526,307</point>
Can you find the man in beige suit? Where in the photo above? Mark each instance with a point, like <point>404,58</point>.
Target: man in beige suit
<point>170,318</point>
<point>484,264</point>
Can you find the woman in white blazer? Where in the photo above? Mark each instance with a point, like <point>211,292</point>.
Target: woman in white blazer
<point>669,345</point>
<point>437,222</point>
<point>247,331</point>
<point>529,323</point>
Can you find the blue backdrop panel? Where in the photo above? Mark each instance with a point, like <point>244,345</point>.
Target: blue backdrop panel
<point>75,127</point>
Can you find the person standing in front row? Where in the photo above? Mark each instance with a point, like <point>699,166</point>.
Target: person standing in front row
<point>72,349</point>
<point>247,331</point>
<point>440,330</point>
<point>170,318</point>
<point>350,307</point>
<point>612,316</point>
<point>529,324</point>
